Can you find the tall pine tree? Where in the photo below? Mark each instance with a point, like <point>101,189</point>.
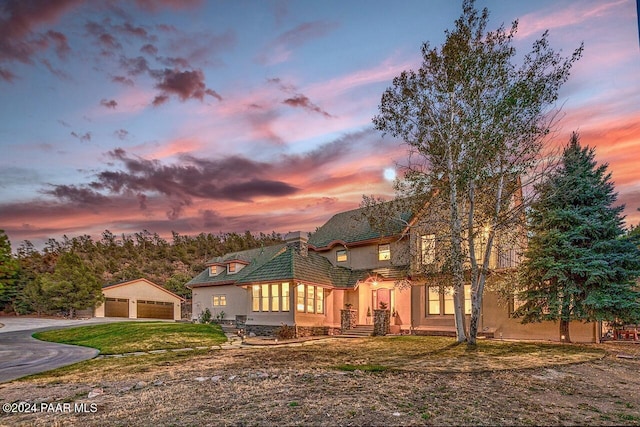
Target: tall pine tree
<point>579,265</point>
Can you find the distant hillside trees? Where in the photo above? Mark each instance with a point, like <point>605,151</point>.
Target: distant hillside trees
<point>112,259</point>
<point>579,264</point>
<point>9,271</point>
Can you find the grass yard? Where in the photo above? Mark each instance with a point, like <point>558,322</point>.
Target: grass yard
<point>369,381</point>
<point>129,337</point>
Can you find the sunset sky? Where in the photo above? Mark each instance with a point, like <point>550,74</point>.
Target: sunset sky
<point>216,116</point>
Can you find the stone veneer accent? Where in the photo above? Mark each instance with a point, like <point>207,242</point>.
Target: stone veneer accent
<point>381,322</point>
<point>348,319</point>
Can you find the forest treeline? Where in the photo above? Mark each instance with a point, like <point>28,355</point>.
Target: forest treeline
<point>27,273</point>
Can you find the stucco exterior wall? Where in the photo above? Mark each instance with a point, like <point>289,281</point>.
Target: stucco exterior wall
<point>495,319</point>
<point>236,301</point>
<point>365,257</point>
<point>139,290</point>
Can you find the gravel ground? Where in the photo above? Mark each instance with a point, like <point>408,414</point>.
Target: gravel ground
<point>280,386</point>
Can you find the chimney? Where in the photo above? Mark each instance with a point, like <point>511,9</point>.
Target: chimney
<point>298,240</point>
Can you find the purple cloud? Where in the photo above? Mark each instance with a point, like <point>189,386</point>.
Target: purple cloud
<point>184,84</point>
<point>111,103</point>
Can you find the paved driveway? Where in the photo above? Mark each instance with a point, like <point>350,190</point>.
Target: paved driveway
<point>21,354</point>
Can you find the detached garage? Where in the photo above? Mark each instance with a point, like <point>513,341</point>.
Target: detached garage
<point>139,299</point>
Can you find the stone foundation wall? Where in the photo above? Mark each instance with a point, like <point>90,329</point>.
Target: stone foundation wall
<point>381,322</point>
<point>261,330</point>
<point>302,331</point>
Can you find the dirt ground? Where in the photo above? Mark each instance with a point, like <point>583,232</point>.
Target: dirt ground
<point>299,386</point>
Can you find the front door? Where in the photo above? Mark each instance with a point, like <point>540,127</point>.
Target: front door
<point>381,296</point>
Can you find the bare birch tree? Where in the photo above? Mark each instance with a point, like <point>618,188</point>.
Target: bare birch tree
<point>475,124</point>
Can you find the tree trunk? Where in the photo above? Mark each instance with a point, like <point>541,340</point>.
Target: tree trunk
<point>456,253</point>
<point>564,331</point>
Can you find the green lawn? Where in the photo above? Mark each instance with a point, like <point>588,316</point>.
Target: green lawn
<point>128,337</point>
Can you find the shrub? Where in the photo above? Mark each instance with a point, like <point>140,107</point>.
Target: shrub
<point>205,316</point>
<point>286,332</point>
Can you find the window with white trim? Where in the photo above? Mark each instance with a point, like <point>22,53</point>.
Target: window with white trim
<point>440,300</point>
<point>219,300</point>
<point>270,297</point>
<point>341,255</point>
<point>310,299</point>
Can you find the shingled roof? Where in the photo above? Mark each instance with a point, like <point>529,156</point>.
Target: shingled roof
<point>353,226</point>
<point>286,262</point>
<point>255,257</point>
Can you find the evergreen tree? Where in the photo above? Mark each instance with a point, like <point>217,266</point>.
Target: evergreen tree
<point>579,265</point>
<point>72,286</point>
<point>9,272</point>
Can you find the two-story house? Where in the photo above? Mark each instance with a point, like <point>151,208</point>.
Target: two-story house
<point>348,262</point>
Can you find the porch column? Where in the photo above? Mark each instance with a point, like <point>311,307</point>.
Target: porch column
<point>381,322</point>
<point>348,319</point>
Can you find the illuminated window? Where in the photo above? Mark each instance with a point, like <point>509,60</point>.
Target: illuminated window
<point>219,300</point>
<point>311,293</point>
<point>448,301</point>
<point>300,298</point>
<point>341,255</point>
<point>384,252</point>
<point>285,297</point>
<point>310,299</point>
<point>441,301</point>
<point>214,270</point>
<point>264,298</point>
<point>275,297</point>
<point>255,297</point>
<point>320,301</point>
<point>467,299</point>
<point>231,267</point>
<point>428,248</point>
<point>433,298</point>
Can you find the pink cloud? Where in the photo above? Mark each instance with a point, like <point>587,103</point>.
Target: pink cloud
<point>575,14</point>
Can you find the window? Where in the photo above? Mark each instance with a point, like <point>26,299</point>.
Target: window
<point>270,297</point>
<point>214,270</point>
<point>311,294</point>
<point>300,299</point>
<point>310,299</point>
<point>428,248</point>
<point>440,300</point>
<point>264,297</point>
<point>467,299</point>
<point>384,252</point>
<point>255,297</point>
<point>448,301</point>
<point>433,298</point>
<point>320,301</point>
<point>341,255</point>
<point>285,297</point>
<point>231,267</point>
<point>275,297</point>
<point>219,300</point>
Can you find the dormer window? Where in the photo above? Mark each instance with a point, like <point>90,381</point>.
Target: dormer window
<point>235,265</point>
<point>214,270</point>
<point>341,255</point>
<point>232,267</point>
